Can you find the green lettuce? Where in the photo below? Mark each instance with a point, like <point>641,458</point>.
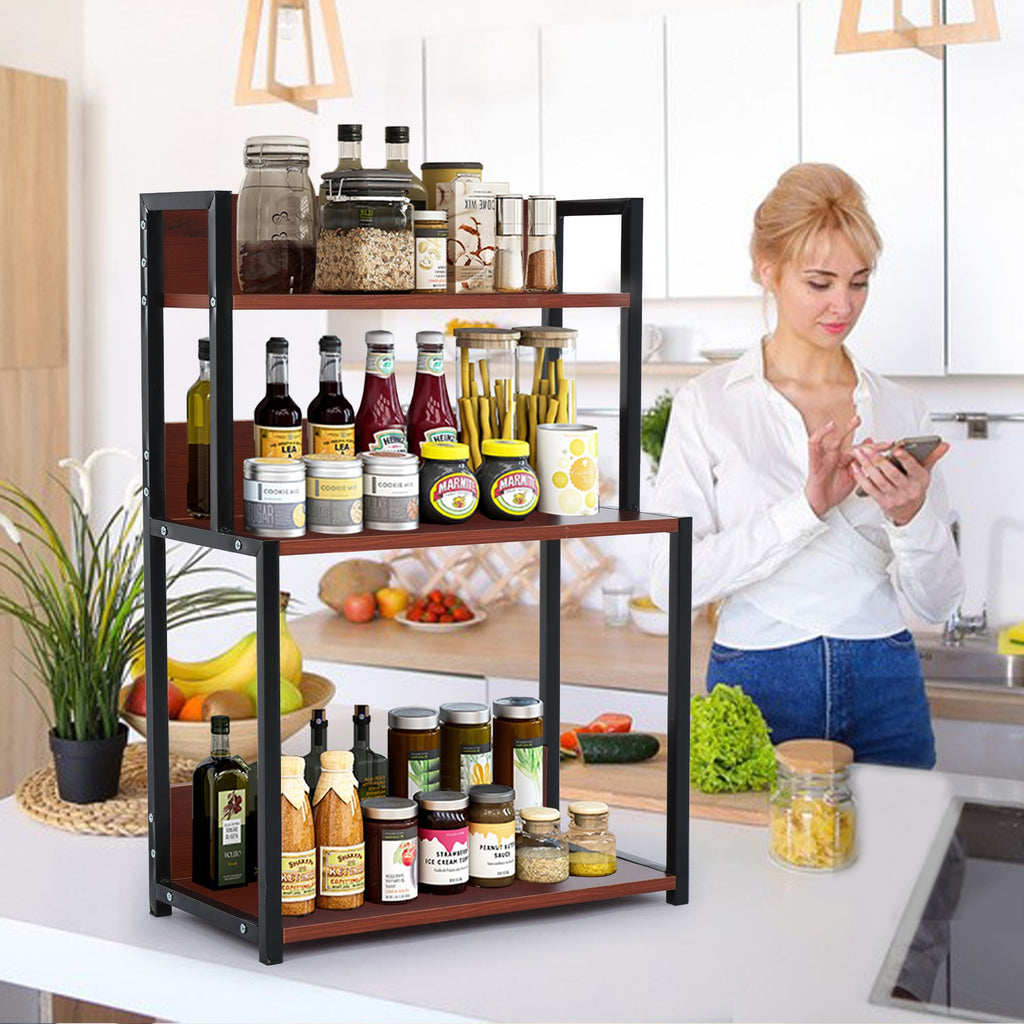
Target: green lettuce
<point>729,746</point>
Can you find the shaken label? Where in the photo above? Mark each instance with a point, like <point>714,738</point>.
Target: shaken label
<point>298,876</point>
<point>342,870</point>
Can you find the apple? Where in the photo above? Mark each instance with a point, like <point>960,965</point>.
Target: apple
<point>175,701</point>
<point>360,607</point>
<point>136,702</point>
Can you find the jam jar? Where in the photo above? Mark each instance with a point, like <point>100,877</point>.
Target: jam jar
<point>518,737</point>
<point>414,751</point>
<point>448,490</point>
<point>812,816</point>
<point>466,758</point>
<point>390,828</point>
<point>591,845</point>
<point>508,484</point>
<point>443,855</point>
<point>492,836</point>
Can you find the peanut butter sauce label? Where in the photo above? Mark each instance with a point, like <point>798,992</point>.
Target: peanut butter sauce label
<point>325,440</point>
<point>278,442</point>
<point>342,870</point>
<point>492,850</point>
<point>298,876</point>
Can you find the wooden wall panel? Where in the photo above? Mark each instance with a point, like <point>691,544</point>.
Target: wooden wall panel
<point>33,353</point>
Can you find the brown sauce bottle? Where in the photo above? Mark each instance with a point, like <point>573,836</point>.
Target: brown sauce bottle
<point>277,420</point>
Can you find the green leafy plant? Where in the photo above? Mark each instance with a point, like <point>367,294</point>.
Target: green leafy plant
<point>729,746</point>
<point>82,606</point>
<point>653,424</point>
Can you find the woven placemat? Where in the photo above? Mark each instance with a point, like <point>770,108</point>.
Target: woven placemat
<point>124,815</point>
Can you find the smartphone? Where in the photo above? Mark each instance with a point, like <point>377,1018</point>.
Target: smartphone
<point>917,447</point>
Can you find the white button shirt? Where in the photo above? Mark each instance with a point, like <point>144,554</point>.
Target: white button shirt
<point>735,459</point>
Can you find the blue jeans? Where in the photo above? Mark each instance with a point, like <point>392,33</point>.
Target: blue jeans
<point>868,694</point>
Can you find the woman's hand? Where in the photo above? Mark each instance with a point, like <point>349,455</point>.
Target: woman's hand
<point>829,460</point>
<point>898,494</point>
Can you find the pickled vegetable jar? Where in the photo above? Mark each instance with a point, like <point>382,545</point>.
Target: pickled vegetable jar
<point>812,814</point>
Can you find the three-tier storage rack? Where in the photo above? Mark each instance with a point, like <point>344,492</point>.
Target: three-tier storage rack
<point>187,260</point>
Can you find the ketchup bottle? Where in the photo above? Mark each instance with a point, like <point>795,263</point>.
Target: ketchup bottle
<point>430,411</point>
<point>380,422</point>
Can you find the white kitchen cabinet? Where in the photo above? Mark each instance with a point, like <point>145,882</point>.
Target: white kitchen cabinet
<point>603,134</point>
<point>733,113</point>
<point>986,200</point>
<point>482,103</point>
<point>879,116</point>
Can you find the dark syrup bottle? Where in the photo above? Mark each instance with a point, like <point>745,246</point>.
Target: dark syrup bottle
<point>277,421</point>
<point>369,767</point>
<point>330,419</point>
<point>197,417</point>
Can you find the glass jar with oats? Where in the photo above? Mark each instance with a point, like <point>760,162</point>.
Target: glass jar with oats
<point>366,243</point>
<point>812,815</point>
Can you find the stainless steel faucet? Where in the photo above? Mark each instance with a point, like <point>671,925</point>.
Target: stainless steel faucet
<point>959,625</point>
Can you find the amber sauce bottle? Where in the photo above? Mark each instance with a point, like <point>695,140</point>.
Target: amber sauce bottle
<point>277,420</point>
<point>330,419</point>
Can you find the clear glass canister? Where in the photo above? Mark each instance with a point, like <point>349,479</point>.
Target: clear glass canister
<point>487,375</point>
<point>276,217</point>
<point>365,243</point>
<point>591,845</point>
<point>509,272</point>
<point>541,258</point>
<point>542,850</point>
<point>812,815</point>
<point>545,381</point>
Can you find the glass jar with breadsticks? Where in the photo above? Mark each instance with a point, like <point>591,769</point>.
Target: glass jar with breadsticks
<point>546,383</point>
<point>487,375</point>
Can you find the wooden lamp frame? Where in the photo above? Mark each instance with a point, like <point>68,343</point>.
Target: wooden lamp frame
<point>304,96</point>
<point>904,34</point>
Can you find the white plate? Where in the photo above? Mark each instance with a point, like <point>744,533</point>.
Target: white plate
<point>721,355</point>
<point>442,627</point>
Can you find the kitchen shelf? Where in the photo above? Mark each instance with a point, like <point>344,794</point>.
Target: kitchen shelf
<point>187,259</point>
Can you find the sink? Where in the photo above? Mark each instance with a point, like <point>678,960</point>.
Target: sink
<point>975,661</point>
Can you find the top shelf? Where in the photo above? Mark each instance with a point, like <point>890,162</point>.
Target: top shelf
<point>384,300</point>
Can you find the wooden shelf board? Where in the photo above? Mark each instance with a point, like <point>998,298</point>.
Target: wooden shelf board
<point>384,300</point>
<point>630,879</point>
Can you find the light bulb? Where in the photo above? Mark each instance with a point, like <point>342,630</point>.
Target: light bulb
<point>289,22</point>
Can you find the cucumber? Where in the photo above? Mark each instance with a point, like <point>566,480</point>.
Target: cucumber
<point>617,747</point>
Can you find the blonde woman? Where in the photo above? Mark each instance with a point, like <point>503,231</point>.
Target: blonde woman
<point>768,454</point>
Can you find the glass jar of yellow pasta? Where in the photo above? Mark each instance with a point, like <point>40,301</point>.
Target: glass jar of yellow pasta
<point>812,814</point>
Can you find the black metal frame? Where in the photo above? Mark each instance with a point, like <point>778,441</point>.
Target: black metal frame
<point>266,929</point>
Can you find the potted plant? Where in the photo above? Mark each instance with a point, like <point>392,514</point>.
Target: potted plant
<point>81,609</point>
<point>653,424</point>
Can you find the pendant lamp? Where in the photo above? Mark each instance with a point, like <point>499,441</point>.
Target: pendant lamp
<point>904,34</point>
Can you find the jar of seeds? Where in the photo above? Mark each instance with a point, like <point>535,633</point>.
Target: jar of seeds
<point>366,240</point>
<point>542,851</point>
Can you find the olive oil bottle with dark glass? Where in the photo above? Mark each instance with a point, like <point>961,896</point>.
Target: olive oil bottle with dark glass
<point>369,767</point>
<point>223,848</point>
<point>198,428</point>
<point>317,745</point>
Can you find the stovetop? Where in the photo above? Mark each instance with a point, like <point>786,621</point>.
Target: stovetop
<point>959,949</point>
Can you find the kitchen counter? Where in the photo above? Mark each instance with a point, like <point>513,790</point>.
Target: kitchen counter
<point>757,942</point>
<point>505,645</point>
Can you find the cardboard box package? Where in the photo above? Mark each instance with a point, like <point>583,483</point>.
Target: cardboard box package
<point>470,205</point>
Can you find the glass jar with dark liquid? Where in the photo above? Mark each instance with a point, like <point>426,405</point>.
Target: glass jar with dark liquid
<point>277,420</point>
<point>330,419</point>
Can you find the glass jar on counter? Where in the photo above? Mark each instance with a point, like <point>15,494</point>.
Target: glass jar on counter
<point>542,850</point>
<point>519,748</point>
<point>276,227</point>
<point>812,815</point>
<point>365,242</point>
<point>541,257</point>
<point>591,844</point>
<point>492,836</point>
<point>414,751</point>
<point>443,854</point>
<point>465,745</point>
<point>486,386</point>
<point>545,380</point>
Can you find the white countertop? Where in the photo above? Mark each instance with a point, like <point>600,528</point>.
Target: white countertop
<point>756,942</point>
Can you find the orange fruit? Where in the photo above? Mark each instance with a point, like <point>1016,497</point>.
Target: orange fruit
<point>192,709</point>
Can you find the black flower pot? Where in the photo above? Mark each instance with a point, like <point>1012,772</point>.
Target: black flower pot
<point>88,771</point>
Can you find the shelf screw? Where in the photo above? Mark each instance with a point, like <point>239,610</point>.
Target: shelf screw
<point>163,531</point>
<point>145,492</point>
<point>151,819</point>
<point>143,225</point>
<point>241,929</point>
<point>152,854</point>
<point>143,262</point>
<point>213,302</point>
<point>145,455</point>
<point>170,897</point>
<point>144,300</point>
<point>238,545</point>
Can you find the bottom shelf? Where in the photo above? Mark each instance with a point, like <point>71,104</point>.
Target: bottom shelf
<point>629,880</point>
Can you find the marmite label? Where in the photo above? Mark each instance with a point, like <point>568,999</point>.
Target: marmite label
<point>278,442</point>
<point>515,492</point>
<point>342,870</point>
<point>455,495</point>
<point>298,876</point>
<point>324,440</point>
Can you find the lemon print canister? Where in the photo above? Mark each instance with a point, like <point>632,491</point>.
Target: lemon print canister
<point>567,469</point>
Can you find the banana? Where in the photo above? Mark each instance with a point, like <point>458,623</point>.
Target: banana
<point>231,670</point>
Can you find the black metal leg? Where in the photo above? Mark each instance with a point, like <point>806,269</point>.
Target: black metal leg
<point>551,659</point>
<point>220,261</point>
<point>630,330</point>
<point>268,656</point>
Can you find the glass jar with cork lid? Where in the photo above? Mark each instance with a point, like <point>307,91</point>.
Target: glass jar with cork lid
<point>591,844</point>
<point>487,375</point>
<point>542,850</point>
<point>546,378</point>
<point>812,815</point>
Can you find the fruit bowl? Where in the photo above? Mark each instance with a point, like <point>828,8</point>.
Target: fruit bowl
<point>192,739</point>
<point>648,617</point>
